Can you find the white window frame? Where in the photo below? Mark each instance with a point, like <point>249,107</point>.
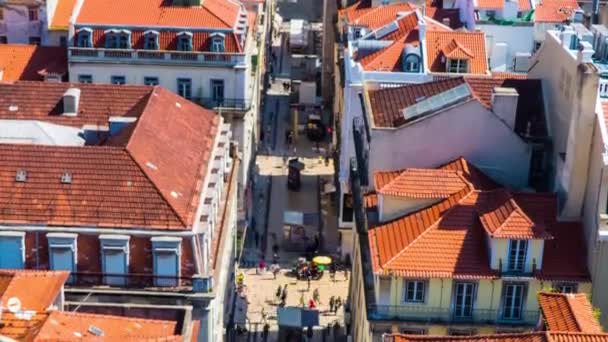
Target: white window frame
<point>180,37</point>
<point>458,66</point>
<point>20,235</point>
<point>520,248</point>
<point>417,283</point>
<point>511,314</point>
<point>148,35</point>
<point>218,42</point>
<point>88,40</point>
<point>114,242</point>
<point>473,288</point>
<point>566,287</point>
<point>63,241</point>
<point>166,244</point>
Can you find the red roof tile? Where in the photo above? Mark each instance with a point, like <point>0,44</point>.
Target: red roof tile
<point>75,326</point>
<point>31,62</point>
<point>447,239</point>
<point>455,50</point>
<point>524,5</point>
<point>150,175</point>
<point>490,4</point>
<point>19,329</point>
<point>565,257</point>
<point>36,290</point>
<point>211,14</point>
<point>422,183</point>
<point>568,312</point>
<point>522,337</point>
<point>387,104</point>
<point>61,17</point>
<point>359,14</point>
<point>605,111</point>
<point>554,11</point>
<point>473,42</point>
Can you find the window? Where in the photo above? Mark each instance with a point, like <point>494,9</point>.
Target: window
<point>517,255</point>
<point>217,42</point>
<point>166,252</point>
<point>32,13</point>
<point>217,91</point>
<point>414,291</point>
<point>34,40</point>
<point>461,332</point>
<point>566,287</point>
<point>118,80</point>
<point>184,41</point>
<point>114,258</point>
<point>411,63</point>
<point>463,300</point>
<point>491,14</point>
<point>124,41</point>
<point>513,300</point>
<point>12,250</point>
<point>62,252</point>
<point>151,40</point>
<point>63,41</point>
<point>357,33</point>
<point>118,39</point>
<point>413,331</point>
<point>3,40</point>
<point>85,78</point>
<point>85,39</point>
<point>151,81</point>
<point>184,87</point>
<point>457,65</point>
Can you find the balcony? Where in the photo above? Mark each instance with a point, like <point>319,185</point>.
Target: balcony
<point>225,103</point>
<point>444,315</point>
<point>130,56</point>
<point>128,281</point>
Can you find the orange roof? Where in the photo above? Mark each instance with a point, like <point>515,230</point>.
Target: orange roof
<point>36,290</point>
<point>359,14</point>
<point>455,50</point>
<point>31,62</point>
<point>548,336</point>
<point>211,14</point>
<point>568,312</point>
<point>75,326</point>
<point>63,12</point>
<point>471,44</point>
<point>421,183</point>
<point>524,5</point>
<point>447,239</point>
<point>490,4</point>
<point>554,11</point>
<point>21,329</point>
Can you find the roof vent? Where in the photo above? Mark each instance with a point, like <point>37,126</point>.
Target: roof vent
<point>21,176</point>
<point>66,178</point>
<point>13,108</point>
<point>71,101</point>
<point>95,330</point>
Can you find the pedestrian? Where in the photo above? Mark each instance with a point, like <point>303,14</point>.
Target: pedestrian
<point>332,302</point>
<point>315,295</point>
<point>278,293</point>
<point>302,303</point>
<point>275,270</point>
<point>338,304</point>
<point>345,273</point>
<point>262,266</point>
<point>308,279</point>
<point>311,304</point>
<point>257,238</point>
<point>263,314</point>
<point>284,293</point>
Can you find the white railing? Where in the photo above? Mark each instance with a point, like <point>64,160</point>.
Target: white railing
<point>99,54</point>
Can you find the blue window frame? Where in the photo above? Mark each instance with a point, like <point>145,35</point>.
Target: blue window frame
<point>62,252</point>
<point>151,40</point>
<point>184,41</point>
<point>118,80</point>
<point>12,250</point>
<point>85,38</point>
<point>217,91</point>
<point>166,260</point>
<point>118,39</point>
<point>114,259</point>
<point>184,87</point>
<point>217,42</point>
<point>151,81</point>
<point>85,78</point>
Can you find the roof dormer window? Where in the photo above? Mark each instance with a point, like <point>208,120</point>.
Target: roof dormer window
<point>217,42</point>
<point>458,66</point>
<point>411,59</point>
<point>84,38</point>
<point>151,40</point>
<point>184,41</point>
<point>118,39</point>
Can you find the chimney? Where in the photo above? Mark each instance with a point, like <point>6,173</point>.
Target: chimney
<point>504,104</point>
<point>71,102</point>
<point>446,22</point>
<point>117,123</point>
<point>585,51</point>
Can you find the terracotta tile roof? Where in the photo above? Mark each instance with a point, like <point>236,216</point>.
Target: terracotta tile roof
<point>521,337</point>
<point>211,14</point>
<point>149,175</point>
<point>554,11</point>
<point>436,12</point>
<point>455,50</point>
<point>565,257</point>
<point>524,5</point>
<point>20,329</point>
<point>63,12</point>
<point>167,40</point>
<point>605,111</point>
<point>41,101</point>
<point>490,4</point>
<point>74,326</point>
<point>421,183</point>
<point>31,62</point>
<point>36,290</point>
<point>568,312</point>
<point>387,104</point>
<point>473,42</point>
<point>447,239</point>
<point>360,14</point>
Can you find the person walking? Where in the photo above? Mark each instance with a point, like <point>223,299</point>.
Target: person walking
<point>308,279</point>
<point>311,304</point>
<point>332,302</point>
<point>315,296</point>
<point>278,293</point>
<point>338,304</point>
<point>261,266</point>
<point>302,303</point>
<point>275,270</point>
<point>345,273</point>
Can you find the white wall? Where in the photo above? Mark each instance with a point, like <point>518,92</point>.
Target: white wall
<point>17,27</point>
<point>234,85</point>
<point>516,38</point>
<point>391,207</point>
<point>467,130</point>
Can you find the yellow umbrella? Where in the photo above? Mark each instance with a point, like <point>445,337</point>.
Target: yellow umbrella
<point>322,260</point>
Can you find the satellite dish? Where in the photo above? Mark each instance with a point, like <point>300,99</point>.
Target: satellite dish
<point>13,304</point>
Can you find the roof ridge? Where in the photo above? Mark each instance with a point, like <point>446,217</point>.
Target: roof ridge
<point>570,297</point>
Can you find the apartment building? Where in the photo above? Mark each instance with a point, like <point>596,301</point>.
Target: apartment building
<point>35,309</point>
<point>132,189</point>
<point>450,251</point>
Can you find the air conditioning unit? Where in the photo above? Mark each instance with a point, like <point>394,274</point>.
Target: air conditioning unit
<point>521,61</point>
